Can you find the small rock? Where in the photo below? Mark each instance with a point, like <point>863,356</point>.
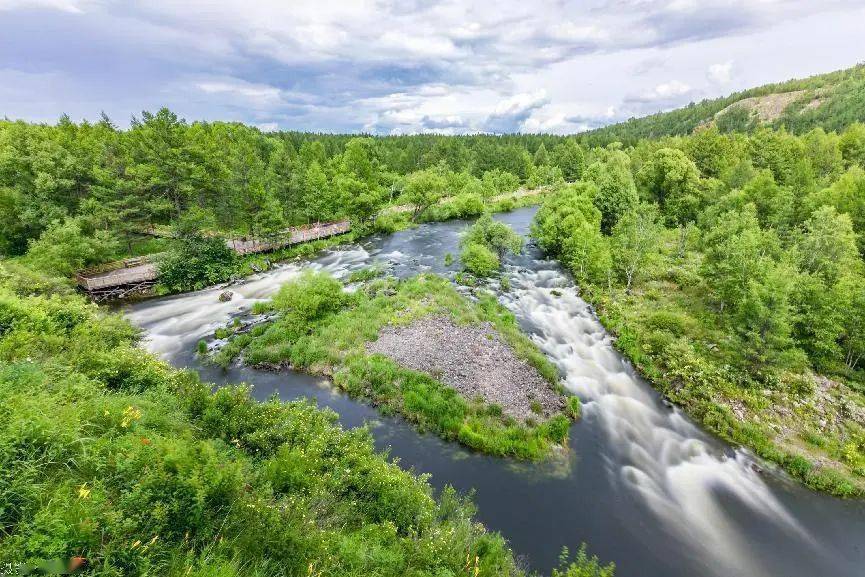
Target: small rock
<point>757,468</point>
<point>667,403</point>
<point>225,296</point>
<point>556,293</point>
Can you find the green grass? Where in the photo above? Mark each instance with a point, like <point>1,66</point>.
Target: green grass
<point>323,330</point>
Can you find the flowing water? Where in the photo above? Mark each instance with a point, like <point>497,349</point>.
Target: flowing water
<point>643,486</point>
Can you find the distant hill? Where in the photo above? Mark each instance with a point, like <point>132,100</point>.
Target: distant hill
<point>831,101</point>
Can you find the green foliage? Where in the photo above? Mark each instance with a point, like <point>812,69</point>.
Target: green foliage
<point>64,248</point>
<point>495,235</point>
<point>736,119</point>
<point>616,192</point>
<point>581,565</point>
<point>569,225</point>
<point>671,179</point>
<point>569,157</point>
<point>634,240</point>
<point>423,189</point>
<point>479,260</point>
<point>196,261</point>
<point>311,296</point>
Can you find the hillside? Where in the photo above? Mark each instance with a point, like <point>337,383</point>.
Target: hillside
<point>830,101</point>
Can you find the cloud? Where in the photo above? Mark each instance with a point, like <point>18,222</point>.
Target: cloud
<point>70,6</point>
<point>398,65</point>
<point>452,121</point>
<point>510,114</point>
<point>664,92</point>
<point>720,73</point>
<point>255,94</point>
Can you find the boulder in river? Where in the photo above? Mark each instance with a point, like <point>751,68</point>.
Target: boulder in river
<point>225,296</point>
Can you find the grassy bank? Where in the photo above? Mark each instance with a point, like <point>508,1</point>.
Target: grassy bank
<point>687,349</point>
<point>322,329</point>
<point>121,464</point>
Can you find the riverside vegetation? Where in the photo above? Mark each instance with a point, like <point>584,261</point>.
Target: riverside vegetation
<point>730,269</point>
<point>126,466</point>
<point>323,329</point>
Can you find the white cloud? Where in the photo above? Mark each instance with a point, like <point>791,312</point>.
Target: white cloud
<point>510,114</point>
<point>720,73</point>
<point>71,6</point>
<point>256,94</point>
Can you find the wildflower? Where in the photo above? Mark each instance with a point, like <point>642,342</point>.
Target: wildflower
<point>83,492</point>
<point>136,543</point>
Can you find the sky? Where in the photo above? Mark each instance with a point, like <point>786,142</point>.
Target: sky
<point>408,66</point>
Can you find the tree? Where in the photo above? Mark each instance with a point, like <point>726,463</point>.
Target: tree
<point>852,145</point>
<point>196,260</point>
<point>423,189</point>
<point>162,164</point>
<point>570,158</point>
<point>672,180</point>
<point>64,248</point>
<point>541,157</point>
<point>316,193</point>
<point>269,218</point>
<point>616,191</point>
<point>852,337</point>
<point>545,175</point>
<point>827,245</point>
<point>847,195</point>
<point>764,316</point>
<point>497,181</point>
<point>827,255</point>
<point>738,251</point>
<point>774,203</point>
<point>712,152</point>
<point>635,240</point>
<point>569,226</point>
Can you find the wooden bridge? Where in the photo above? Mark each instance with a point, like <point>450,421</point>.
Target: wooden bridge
<point>123,278</point>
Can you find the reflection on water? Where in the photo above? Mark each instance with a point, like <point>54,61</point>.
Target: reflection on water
<point>643,485</point>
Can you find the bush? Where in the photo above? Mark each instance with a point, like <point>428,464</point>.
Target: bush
<point>195,262</point>
<point>309,297</point>
<point>479,260</point>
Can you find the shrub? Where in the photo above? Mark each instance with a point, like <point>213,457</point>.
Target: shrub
<point>311,296</point>
<point>195,262</point>
<point>479,260</point>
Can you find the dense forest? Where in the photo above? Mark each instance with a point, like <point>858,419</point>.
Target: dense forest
<point>727,260</point>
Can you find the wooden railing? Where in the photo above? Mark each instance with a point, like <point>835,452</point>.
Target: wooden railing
<point>138,270</point>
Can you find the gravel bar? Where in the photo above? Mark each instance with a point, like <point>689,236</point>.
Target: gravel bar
<point>474,360</point>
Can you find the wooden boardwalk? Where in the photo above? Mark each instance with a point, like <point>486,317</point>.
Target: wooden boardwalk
<point>294,235</point>
<point>136,275</point>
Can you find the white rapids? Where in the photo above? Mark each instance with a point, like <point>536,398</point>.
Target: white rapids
<point>662,455</point>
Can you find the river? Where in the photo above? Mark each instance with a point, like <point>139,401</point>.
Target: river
<point>643,486</point>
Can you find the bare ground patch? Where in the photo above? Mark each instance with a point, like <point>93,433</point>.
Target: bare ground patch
<point>474,360</point>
